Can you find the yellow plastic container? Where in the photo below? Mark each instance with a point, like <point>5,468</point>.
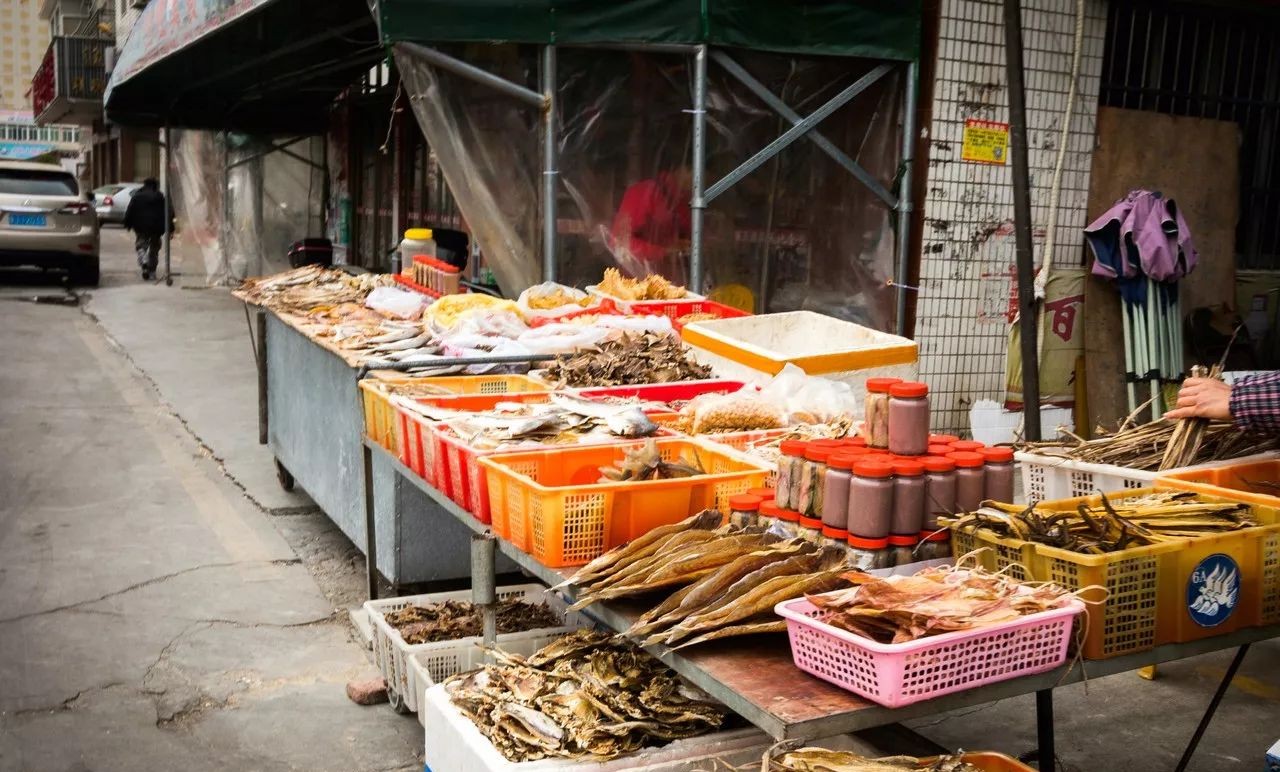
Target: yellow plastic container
<point>1165,593</point>
<point>380,422</point>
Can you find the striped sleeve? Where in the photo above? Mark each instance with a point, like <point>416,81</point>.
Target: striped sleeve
<point>1255,403</point>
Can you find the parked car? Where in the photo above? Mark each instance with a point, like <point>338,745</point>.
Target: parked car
<point>47,220</point>
<point>111,201</point>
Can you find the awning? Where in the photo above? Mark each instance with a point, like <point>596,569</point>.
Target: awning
<point>877,29</point>
<point>258,66</point>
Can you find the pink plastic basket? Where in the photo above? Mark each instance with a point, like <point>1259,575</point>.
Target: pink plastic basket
<point>900,674</point>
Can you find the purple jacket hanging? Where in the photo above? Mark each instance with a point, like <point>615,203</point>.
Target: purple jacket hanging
<point>1142,234</point>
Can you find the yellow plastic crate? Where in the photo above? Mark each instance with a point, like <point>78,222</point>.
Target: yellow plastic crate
<point>380,422</point>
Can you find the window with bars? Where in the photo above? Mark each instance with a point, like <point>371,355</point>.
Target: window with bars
<point>1215,62</point>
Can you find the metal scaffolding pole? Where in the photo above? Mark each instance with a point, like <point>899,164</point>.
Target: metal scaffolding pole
<point>168,208</point>
<point>904,207</point>
<point>475,74</point>
<point>550,170</point>
<point>697,205</point>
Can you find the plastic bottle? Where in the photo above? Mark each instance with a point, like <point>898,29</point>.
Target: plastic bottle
<point>904,548</point>
<point>452,280</point>
<point>855,442</point>
<point>908,498</point>
<point>869,554</point>
<point>908,418</point>
<point>810,529</point>
<point>767,514</point>
<point>743,509</point>
<point>835,538</point>
<point>835,489</point>
<point>871,499</point>
<point>786,523</point>
<point>997,470</point>
<point>939,489</point>
<point>764,494</point>
<point>815,475</point>
<point>934,544</point>
<point>942,439</point>
<point>416,241</point>
<point>789,464</point>
<point>875,417</point>
<point>939,450</point>
<point>970,481</point>
<point>966,446</point>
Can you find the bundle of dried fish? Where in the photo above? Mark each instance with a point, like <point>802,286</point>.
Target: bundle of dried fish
<point>631,358</point>
<point>584,695</point>
<point>732,579</point>
<point>645,462</point>
<point>453,619</point>
<point>301,290</point>
<point>898,609</point>
<point>1144,447</point>
<point>1109,526</point>
<point>784,757</point>
<point>651,287</point>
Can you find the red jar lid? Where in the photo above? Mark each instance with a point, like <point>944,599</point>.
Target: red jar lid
<point>843,459</point>
<point>938,464</point>
<point>966,445</point>
<point>789,515</point>
<point>909,389</point>
<point>908,468</point>
<point>904,541</point>
<point>997,455</point>
<point>881,385</point>
<point>867,544</point>
<point>770,509</point>
<point>856,442</point>
<point>792,447</point>
<point>942,535</point>
<point>966,460</point>
<point>827,443</point>
<point>765,494</point>
<point>835,533</point>
<point>874,468</point>
<point>942,439</point>
<point>811,522</point>
<point>817,453</point>
<point>939,450</point>
<point>744,502</point>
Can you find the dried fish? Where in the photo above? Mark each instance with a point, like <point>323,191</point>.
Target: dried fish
<point>785,757</point>
<point>651,287</point>
<point>645,462</point>
<point>755,602</point>
<point>630,358</point>
<point>452,619</point>
<point>641,546</point>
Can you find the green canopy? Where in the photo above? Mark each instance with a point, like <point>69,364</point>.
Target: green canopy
<point>878,29</point>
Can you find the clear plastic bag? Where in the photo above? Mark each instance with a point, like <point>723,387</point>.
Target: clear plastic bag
<point>533,301</point>
<point>399,303</point>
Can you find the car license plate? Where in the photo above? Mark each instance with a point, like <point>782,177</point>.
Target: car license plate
<point>18,220</point>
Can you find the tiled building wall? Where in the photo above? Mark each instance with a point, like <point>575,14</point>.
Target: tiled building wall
<point>967,263</point>
<point>24,36</point>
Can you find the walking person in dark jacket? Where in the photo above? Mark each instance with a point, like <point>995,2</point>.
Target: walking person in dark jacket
<point>145,217</point>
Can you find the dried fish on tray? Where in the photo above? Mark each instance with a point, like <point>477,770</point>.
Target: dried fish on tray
<point>785,757</point>
<point>302,290</point>
<point>645,462</point>
<point>1111,525</point>
<point>453,619</point>
<point>729,579</point>
<point>898,609</point>
<point>631,358</point>
<point>1143,447</point>
<point>587,695</point>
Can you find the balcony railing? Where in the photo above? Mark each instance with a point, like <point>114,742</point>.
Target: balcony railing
<point>69,83</point>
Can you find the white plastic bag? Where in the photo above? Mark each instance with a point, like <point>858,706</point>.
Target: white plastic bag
<point>636,323</point>
<point>811,399</point>
<point>399,303</point>
<point>550,288</point>
<point>561,338</point>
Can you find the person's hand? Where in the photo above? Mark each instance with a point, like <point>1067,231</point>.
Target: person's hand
<point>1203,398</point>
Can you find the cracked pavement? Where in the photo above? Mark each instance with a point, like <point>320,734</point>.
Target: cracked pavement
<point>152,614</point>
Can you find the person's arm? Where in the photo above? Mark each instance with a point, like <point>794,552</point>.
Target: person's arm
<point>1255,403</point>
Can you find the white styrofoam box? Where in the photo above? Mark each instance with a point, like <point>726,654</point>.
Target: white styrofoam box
<point>1050,478</point>
<point>744,347</point>
<point>993,425</point>
<point>445,658</point>
<point>453,744</point>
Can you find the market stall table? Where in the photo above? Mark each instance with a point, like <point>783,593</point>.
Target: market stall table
<point>755,676</point>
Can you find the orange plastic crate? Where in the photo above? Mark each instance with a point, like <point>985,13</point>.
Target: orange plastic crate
<point>553,507</point>
<point>1255,482</point>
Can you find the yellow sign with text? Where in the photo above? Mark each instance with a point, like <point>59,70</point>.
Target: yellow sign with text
<point>985,142</point>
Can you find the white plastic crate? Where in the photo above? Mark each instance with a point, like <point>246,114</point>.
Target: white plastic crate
<point>1050,478</point>
<point>445,658</point>
<point>453,744</point>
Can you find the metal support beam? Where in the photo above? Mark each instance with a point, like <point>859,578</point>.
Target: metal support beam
<point>904,206</point>
<point>648,48</point>
<point>475,74</point>
<point>795,132</point>
<point>1047,753</point>
<point>260,354</point>
<point>370,526</point>
<point>1027,326</point>
<point>277,147</point>
<point>783,109</point>
<point>168,208</point>
<point>1221,691</point>
<point>550,166</point>
<point>698,202</point>
<point>483,592</point>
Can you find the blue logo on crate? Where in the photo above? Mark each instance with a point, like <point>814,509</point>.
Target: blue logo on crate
<point>1213,590</point>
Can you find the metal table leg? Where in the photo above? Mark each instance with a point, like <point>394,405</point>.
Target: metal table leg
<point>260,351</point>
<point>483,592</point>
<point>1213,708</point>
<point>1048,754</point>
<point>370,527</point>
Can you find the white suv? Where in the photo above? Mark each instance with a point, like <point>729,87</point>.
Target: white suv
<point>47,220</point>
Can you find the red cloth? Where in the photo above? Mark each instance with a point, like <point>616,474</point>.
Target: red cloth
<point>652,218</point>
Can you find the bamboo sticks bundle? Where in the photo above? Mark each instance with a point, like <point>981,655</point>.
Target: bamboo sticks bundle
<point>1144,446</point>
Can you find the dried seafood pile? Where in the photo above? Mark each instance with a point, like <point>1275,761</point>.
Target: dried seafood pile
<point>629,359</point>
<point>651,287</point>
<point>453,619</point>
<point>719,413</point>
<point>645,462</point>
<point>898,609</point>
<point>585,695</point>
<point>1143,447</point>
<point>729,579</point>
<point>302,290</point>
<point>780,759</point>
<point>565,419</point>
<point>1109,526</point>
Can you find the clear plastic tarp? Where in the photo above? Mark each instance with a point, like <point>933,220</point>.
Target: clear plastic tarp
<point>798,232</point>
